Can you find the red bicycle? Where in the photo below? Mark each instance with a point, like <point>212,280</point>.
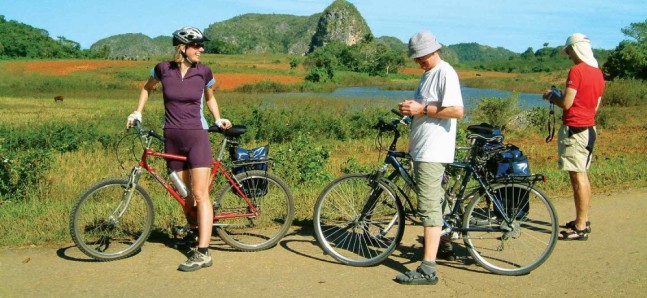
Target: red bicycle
<point>112,219</point>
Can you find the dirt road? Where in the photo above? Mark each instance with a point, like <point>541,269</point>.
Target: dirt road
<point>612,263</point>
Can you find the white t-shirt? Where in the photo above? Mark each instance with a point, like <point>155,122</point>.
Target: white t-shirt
<point>433,139</point>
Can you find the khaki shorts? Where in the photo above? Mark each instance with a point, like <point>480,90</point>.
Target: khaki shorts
<point>429,177</point>
<point>575,148</point>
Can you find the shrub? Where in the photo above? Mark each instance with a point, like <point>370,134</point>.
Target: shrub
<point>625,93</point>
<point>351,165</point>
<point>300,162</point>
<point>21,170</point>
<point>496,111</point>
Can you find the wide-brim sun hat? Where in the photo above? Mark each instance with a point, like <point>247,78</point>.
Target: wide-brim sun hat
<point>575,38</point>
<point>581,46</point>
<point>423,43</point>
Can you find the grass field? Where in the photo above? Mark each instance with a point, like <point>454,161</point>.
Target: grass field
<point>59,149</point>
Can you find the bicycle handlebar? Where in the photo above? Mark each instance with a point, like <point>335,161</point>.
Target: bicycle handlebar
<point>146,133</point>
<point>392,126</point>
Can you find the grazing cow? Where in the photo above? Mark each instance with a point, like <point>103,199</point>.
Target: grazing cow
<point>58,99</point>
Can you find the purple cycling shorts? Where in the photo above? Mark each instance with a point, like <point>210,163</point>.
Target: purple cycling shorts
<point>192,143</point>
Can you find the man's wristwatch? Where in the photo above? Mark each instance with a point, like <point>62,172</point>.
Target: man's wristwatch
<point>424,110</point>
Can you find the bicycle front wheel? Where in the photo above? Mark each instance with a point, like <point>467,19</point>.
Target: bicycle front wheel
<point>110,221</point>
<point>516,247</point>
<point>357,221</point>
<point>270,195</point>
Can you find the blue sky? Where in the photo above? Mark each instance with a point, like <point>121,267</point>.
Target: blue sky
<point>512,24</point>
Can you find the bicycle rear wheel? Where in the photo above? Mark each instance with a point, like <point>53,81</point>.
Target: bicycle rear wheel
<point>511,248</point>
<point>270,195</point>
<point>357,221</point>
<point>109,221</point>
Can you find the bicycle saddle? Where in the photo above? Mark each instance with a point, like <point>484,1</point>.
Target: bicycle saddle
<point>485,130</point>
<point>233,131</point>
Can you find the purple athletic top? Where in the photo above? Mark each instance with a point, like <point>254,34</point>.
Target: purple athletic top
<point>183,97</point>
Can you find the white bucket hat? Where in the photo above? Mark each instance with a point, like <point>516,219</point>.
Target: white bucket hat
<point>422,43</point>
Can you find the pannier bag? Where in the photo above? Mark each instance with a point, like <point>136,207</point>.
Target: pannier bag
<point>504,161</point>
<point>248,160</point>
<point>511,162</point>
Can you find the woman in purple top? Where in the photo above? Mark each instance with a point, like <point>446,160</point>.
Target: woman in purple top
<point>186,85</point>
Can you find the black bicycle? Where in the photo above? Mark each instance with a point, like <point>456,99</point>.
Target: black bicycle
<point>508,225</point>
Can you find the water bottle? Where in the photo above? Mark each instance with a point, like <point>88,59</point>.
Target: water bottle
<point>179,185</point>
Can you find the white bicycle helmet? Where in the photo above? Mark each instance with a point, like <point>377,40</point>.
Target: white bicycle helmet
<point>187,35</point>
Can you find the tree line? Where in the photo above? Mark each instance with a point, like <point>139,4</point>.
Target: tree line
<point>18,40</point>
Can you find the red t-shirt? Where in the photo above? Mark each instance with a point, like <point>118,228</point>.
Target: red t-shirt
<point>589,83</point>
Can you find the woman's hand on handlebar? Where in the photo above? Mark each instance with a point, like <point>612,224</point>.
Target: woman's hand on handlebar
<point>223,123</point>
<point>132,117</point>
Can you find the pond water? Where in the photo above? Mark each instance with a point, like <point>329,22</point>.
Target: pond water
<point>470,95</point>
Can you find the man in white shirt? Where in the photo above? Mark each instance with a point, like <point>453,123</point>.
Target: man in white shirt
<point>436,106</point>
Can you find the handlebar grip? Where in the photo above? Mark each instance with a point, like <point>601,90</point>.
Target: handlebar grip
<point>155,135</point>
<point>406,120</point>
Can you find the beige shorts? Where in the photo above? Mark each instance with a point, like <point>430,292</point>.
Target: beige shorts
<point>575,148</point>
<point>429,176</point>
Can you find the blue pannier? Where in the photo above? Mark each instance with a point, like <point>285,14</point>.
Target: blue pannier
<point>509,162</point>
<point>248,160</point>
<point>506,163</point>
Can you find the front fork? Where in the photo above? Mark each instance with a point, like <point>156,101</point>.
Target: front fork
<point>127,195</point>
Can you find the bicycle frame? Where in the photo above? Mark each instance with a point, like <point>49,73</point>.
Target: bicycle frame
<point>217,167</point>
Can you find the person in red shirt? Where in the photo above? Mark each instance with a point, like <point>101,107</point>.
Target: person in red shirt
<point>576,137</point>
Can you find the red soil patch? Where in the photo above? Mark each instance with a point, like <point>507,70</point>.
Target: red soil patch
<point>230,81</point>
<point>279,66</point>
<point>63,67</point>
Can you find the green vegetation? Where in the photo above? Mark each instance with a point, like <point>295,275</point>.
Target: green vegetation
<point>629,59</point>
<point>497,111</point>
<point>368,56</point>
<point>18,40</point>
<point>546,59</point>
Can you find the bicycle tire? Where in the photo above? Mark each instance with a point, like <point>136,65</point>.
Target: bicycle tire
<point>102,229</point>
<point>271,195</point>
<point>347,235</point>
<point>529,239</point>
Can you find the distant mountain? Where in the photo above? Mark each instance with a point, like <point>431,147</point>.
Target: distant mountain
<point>276,33</point>
<point>262,33</point>
<point>340,21</point>
<point>393,43</point>
<point>474,52</point>
<point>134,46</point>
